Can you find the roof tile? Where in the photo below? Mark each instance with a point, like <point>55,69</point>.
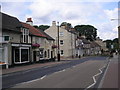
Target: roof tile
<point>33,30</point>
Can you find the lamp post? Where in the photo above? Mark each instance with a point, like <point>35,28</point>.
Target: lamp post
<point>58,54</point>
<point>118,32</point>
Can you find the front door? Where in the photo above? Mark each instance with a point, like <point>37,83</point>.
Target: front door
<point>34,56</point>
<point>51,54</point>
<point>16,55</point>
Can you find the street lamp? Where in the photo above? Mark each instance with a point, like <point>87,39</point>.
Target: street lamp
<point>118,32</point>
<point>58,54</point>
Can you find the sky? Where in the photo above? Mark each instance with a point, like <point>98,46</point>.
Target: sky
<point>76,12</point>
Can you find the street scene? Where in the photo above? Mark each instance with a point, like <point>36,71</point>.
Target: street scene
<point>59,44</point>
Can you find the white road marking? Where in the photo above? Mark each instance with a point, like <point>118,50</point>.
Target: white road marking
<point>73,66</point>
<point>43,77</point>
<point>63,70</point>
<point>101,82</point>
<point>31,81</point>
<point>59,71</point>
<point>95,76</point>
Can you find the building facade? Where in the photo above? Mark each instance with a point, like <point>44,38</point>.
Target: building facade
<point>16,45</point>
<point>41,43</point>
<point>66,40</point>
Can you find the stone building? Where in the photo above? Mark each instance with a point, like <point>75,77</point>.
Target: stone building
<point>66,39</point>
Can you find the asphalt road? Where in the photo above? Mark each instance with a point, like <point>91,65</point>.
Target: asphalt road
<point>74,74</point>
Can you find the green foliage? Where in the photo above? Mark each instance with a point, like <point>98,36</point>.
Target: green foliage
<point>88,30</point>
<point>113,42</point>
<point>108,43</point>
<point>42,27</point>
<point>35,26</point>
<point>67,25</point>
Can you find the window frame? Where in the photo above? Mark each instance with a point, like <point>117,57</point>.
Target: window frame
<point>25,35</point>
<point>4,38</point>
<point>61,52</point>
<point>61,34</point>
<point>61,43</point>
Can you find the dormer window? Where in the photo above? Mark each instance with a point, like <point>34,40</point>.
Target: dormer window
<point>25,35</point>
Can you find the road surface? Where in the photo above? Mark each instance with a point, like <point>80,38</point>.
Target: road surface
<point>74,74</point>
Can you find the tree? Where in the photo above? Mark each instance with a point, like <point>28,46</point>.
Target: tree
<point>108,44</point>
<point>113,42</point>
<point>67,25</point>
<point>88,30</point>
<point>42,27</point>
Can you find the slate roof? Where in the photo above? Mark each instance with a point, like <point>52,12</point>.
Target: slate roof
<point>10,22</point>
<point>94,44</point>
<point>33,30</point>
<point>85,41</point>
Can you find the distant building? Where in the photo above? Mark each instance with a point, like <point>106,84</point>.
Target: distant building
<point>95,48</point>
<point>83,46</point>
<point>101,43</point>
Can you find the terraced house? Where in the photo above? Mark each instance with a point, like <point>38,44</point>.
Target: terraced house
<point>41,43</point>
<point>16,44</point>
<point>22,43</point>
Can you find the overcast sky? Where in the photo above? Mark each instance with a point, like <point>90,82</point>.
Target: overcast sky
<point>76,12</point>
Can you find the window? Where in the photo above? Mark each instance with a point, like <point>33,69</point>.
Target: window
<point>48,53</point>
<point>6,38</point>
<point>61,42</point>
<point>25,35</point>
<point>24,55</point>
<point>61,33</point>
<point>21,55</point>
<point>41,53</point>
<point>62,52</point>
<point>17,55</point>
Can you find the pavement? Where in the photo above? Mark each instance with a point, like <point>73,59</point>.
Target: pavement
<point>110,78</point>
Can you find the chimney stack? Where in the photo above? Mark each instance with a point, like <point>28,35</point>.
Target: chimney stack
<point>29,21</point>
<point>53,23</point>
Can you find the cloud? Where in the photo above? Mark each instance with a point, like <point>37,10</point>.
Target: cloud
<point>16,9</point>
<point>83,12</point>
<point>72,11</point>
<point>108,35</point>
<point>112,14</point>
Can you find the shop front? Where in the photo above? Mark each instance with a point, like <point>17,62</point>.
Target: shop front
<point>21,53</point>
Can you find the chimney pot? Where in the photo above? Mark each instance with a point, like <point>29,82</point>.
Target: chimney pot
<point>29,21</point>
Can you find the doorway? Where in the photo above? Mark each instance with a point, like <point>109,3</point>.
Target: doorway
<point>34,56</point>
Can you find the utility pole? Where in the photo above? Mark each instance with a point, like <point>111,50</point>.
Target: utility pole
<point>58,55</point>
<point>118,33</point>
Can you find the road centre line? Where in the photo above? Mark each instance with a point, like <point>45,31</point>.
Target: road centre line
<point>30,81</point>
<point>38,78</point>
<point>74,66</point>
<point>43,77</point>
